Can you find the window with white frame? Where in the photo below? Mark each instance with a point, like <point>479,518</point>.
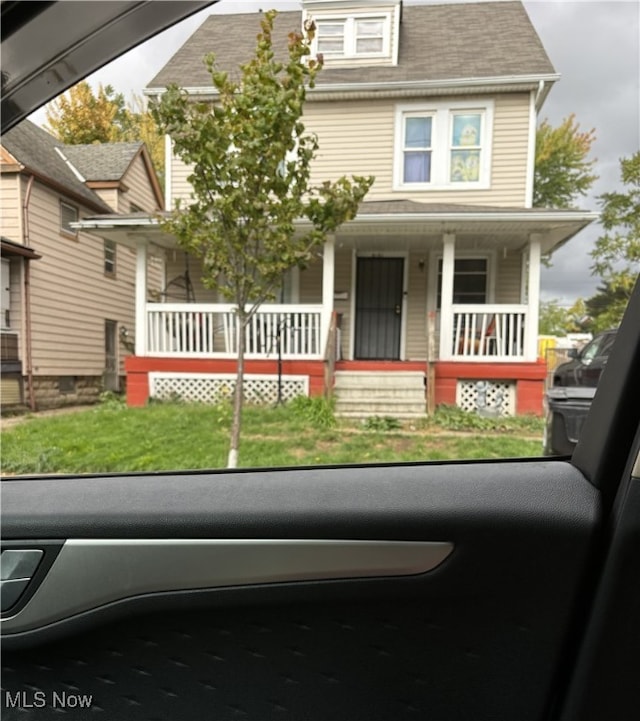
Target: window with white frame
<point>109,257</point>
<point>357,36</point>
<point>440,146</point>
<point>68,215</point>
<point>470,280</point>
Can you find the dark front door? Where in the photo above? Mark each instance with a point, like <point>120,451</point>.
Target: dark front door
<point>378,308</point>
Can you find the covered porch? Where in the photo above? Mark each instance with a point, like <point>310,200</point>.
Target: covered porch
<point>404,282</point>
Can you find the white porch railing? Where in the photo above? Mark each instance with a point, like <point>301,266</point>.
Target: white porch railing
<point>486,333</point>
<point>205,330</point>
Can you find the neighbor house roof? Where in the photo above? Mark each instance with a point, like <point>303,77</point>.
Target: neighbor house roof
<point>39,152</point>
<point>437,43</point>
<point>106,161</point>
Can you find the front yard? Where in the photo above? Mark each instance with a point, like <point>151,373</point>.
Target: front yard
<point>176,436</point>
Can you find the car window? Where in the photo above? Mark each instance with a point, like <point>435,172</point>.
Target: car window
<point>591,350</point>
<point>413,330</point>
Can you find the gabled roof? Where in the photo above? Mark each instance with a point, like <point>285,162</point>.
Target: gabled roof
<point>75,168</point>
<point>104,161</point>
<point>38,152</point>
<point>437,42</point>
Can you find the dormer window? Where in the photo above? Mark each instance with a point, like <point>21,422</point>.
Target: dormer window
<point>355,36</point>
<point>369,36</point>
<point>331,38</point>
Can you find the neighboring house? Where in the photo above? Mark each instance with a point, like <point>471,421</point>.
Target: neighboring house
<point>68,298</point>
<point>436,281</point>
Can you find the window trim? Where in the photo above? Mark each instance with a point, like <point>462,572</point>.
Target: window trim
<point>443,115</point>
<point>69,232</point>
<point>349,22</point>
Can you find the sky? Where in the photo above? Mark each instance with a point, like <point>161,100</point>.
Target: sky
<point>593,44</point>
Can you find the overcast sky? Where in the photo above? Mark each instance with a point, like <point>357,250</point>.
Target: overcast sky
<point>593,44</point>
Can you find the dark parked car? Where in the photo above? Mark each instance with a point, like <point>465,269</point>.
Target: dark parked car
<point>586,365</point>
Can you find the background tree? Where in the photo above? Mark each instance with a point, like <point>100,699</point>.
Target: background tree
<point>558,321</point>
<point>84,116</point>
<point>562,170</point>
<point>607,306</point>
<point>616,255</point>
<point>251,162</point>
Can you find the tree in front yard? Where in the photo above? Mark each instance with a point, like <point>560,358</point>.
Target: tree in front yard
<point>251,162</point>
<point>562,169</point>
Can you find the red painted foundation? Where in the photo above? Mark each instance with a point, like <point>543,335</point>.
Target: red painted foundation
<point>138,369</point>
<point>529,377</point>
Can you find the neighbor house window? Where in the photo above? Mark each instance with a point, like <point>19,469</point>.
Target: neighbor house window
<point>438,146</point>
<point>470,280</point>
<point>68,215</point>
<point>354,36</point>
<point>109,257</point>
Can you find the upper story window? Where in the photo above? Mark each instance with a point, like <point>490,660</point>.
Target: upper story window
<point>356,36</point>
<point>68,215</point>
<point>441,146</point>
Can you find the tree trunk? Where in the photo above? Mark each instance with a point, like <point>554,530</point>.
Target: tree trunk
<point>238,396</point>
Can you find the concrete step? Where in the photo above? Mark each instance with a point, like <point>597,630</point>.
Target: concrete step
<point>361,394</point>
<point>374,392</point>
<point>369,379</point>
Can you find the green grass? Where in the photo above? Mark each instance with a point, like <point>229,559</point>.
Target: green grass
<point>173,436</point>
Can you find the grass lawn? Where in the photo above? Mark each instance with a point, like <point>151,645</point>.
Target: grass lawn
<point>166,436</point>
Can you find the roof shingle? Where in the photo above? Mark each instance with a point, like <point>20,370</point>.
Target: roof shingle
<point>437,42</point>
<point>41,152</point>
<point>104,161</point>
<point>36,149</point>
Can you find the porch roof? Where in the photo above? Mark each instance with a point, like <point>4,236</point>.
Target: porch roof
<point>378,221</point>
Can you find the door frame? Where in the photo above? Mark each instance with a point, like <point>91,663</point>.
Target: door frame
<point>404,254</point>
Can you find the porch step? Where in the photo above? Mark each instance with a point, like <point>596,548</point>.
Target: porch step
<point>361,394</point>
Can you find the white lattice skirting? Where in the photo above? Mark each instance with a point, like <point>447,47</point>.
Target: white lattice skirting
<point>214,388</point>
<point>496,398</point>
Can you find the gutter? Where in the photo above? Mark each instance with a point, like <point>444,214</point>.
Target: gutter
<point>381,88</point>
<point>27,297</point>
<point>558,216</point>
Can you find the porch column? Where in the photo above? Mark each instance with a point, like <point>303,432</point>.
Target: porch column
<point>328,274</point>
<point>533,299</point>
<point>446,298</point>
<point>141,301</point>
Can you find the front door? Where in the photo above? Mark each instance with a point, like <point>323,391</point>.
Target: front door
<point>379,291</point>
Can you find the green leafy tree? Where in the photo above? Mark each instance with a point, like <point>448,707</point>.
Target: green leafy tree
<point>607,306</point>
<point>251,160</point>
<point>558,320</point>
<point>616,256</point>
<point>562,169</point>
<point>83,116</point>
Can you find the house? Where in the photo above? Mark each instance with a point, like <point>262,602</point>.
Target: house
<point>67,296</point>
<point>435,283</point>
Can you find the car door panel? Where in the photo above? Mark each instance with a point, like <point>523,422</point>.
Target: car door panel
<point>482,635</point>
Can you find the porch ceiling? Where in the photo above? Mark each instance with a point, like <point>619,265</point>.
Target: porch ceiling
<point>401,225</point>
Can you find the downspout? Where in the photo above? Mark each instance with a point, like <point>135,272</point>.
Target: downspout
<point>27,297</point>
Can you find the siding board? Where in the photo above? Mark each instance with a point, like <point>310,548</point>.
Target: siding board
<point>10,207</point>
<point>140,192</point>
<point>70,295</point>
